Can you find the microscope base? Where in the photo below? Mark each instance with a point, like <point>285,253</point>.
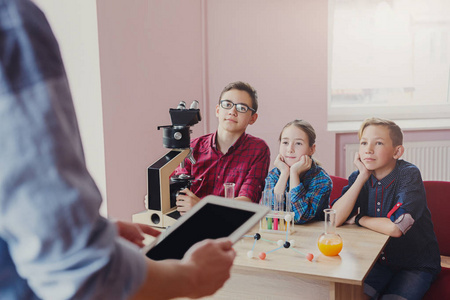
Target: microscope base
<point>156,218</point>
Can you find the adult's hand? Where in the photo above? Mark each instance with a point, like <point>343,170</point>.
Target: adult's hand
<point>133,232</point>
<point>202,271</point>
<point>210,262</point>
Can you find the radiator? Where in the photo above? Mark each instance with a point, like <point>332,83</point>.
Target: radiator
<point>431,157</point>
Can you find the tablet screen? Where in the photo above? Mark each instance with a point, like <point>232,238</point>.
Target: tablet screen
<point>210,222</point>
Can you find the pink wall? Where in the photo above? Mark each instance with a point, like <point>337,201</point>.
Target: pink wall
<point>281,49</point>
<point>154,53</point>
<point>151,57</point>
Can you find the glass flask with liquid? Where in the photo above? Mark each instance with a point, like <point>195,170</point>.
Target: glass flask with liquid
<point>330,243</point>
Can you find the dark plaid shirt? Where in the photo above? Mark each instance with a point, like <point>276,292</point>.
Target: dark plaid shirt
<point>246,164</point>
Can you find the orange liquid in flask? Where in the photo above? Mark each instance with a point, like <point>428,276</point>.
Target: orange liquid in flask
<point>330,247</point>
<point>330,243</point>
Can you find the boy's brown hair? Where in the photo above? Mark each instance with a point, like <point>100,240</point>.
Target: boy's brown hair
<point>242,86</point>
<point>395,133</point>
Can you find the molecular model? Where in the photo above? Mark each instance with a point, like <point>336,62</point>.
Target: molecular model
<point>281,244</point>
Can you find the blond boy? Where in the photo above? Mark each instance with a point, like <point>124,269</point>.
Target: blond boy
<point>387,195</point>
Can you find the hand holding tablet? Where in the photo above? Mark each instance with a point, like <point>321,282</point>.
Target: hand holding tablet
<point>212,218</point>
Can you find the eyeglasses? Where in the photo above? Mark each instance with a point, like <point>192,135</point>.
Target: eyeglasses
<point>240,107</point>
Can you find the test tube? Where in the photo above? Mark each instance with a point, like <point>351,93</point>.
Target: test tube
<point>278,207</point>
<point>264,202</point>
<point>288,207</point>
<point>281,223</point>
<point>268,203</point>
<point>288,203</point>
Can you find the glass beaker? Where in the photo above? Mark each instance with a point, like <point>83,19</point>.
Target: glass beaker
<point>229,189</point>
<point>330,243</point>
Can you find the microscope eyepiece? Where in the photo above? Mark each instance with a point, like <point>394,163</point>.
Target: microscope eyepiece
<point>177,135</point>
<point>182,105</point>
<point>194,105</point>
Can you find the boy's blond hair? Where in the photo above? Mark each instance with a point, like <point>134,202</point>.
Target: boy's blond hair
<point>395,133</point>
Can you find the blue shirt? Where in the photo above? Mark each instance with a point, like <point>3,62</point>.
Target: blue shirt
<point>310,197</point>
<point>395,196</point>
<point>53,242</point>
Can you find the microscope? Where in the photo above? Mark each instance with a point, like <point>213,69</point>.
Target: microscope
<point>162,187</point>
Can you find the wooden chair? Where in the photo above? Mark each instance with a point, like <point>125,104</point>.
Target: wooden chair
<point>438,200</point>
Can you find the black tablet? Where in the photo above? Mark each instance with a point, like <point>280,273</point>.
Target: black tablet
<point>213,217</point>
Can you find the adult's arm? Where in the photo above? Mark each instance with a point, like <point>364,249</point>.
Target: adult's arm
<point>203,270</point>
<point>58,245</point>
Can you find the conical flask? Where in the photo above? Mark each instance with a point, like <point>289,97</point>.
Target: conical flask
<point>330,243</point>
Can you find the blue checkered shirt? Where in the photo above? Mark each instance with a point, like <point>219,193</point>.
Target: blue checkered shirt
<point>310,197</point>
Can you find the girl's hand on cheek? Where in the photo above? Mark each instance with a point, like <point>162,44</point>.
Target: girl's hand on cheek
<point>280,164</point>
<point>302,166</point>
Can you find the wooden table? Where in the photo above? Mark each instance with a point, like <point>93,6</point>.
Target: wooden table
<point>286,274</point>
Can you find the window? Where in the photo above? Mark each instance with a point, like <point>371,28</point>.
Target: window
<point>389,59</point>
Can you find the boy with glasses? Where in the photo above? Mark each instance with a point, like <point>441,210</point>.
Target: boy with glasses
<point>229,154</point>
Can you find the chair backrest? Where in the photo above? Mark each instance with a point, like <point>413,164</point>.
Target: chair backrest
<point>438,200</point>
<point>338,184</point>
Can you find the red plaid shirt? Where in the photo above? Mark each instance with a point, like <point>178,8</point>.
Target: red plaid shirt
<point>246,164</point>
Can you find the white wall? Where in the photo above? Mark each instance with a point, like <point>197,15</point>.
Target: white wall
<point>74,24</point>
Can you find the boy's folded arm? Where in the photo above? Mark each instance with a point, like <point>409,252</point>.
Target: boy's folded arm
<point>344,206</point>
<point>381,225</point>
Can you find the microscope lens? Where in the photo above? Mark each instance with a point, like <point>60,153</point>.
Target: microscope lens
<point>182,105</point>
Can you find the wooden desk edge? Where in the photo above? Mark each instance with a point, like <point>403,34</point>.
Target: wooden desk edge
<point>300,275</point>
